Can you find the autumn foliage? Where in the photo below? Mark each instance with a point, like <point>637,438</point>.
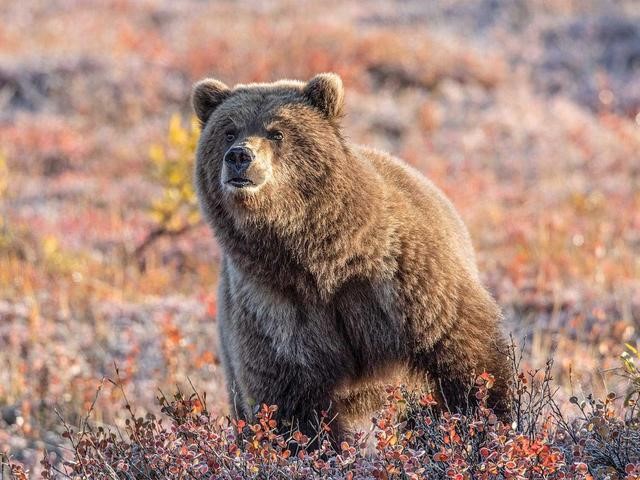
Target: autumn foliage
<point>177,208</point>
<point>410,438</point>
<point>525,113</point>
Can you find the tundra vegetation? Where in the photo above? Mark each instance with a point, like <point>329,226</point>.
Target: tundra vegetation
<point>526,114</point>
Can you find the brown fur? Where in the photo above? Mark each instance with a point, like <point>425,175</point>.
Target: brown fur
<point>341,264</point>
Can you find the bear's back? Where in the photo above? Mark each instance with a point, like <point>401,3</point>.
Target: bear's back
<point>420,206</point>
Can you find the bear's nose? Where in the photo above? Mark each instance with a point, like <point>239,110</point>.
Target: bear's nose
<point>238,159</point>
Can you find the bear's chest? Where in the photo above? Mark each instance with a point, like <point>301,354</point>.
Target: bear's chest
<point>305,335</point>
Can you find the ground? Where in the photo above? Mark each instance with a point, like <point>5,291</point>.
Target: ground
<point>527,114</point>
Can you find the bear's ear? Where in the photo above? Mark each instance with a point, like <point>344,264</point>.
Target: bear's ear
<point>325,92</point>
<point>207,94</point>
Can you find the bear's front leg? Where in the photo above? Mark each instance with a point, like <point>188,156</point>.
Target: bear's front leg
<point>301,398</point>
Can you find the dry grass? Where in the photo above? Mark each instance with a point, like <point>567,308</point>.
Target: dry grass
<point>536,144</point>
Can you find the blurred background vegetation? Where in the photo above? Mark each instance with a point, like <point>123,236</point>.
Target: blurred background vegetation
<point>526,113</point>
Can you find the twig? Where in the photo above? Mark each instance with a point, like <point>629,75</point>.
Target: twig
<point>158,232</point>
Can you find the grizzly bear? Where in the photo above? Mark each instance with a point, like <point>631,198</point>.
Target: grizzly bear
<point>343,269</point>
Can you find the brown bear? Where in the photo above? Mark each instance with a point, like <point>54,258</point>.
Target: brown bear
<point>343,269</point>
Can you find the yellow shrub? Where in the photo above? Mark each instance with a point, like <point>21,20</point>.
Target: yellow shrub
<point>177,208</point>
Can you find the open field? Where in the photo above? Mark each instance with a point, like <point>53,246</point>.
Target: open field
<point>526,113</point>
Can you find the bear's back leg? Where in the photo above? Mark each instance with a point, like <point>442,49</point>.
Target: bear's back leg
<point>473,345</point>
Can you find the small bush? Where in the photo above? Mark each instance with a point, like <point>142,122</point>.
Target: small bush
<point>188,441</point>
<point>176,210</point>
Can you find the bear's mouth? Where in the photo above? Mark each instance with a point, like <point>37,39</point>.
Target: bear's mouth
<point>239,182</point>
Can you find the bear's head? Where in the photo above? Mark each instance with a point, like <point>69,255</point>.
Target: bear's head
<point>267,150</point>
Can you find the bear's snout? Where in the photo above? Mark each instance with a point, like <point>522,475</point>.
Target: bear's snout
<point>245,169</point>
<point>238,160</point>
<point>241,169</point>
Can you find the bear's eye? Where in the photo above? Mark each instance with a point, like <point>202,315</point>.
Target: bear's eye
<point>230,136</point>
<point>276,135</point>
